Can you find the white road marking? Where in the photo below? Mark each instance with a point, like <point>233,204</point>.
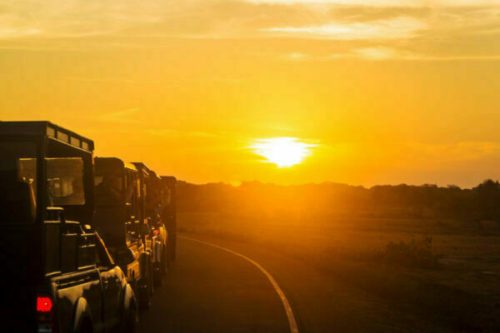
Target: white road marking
<point>292,323</point>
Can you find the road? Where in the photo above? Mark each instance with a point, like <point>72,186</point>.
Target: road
<point>211,290</point>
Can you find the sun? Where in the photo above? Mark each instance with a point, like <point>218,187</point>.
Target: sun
<point>284,151</point>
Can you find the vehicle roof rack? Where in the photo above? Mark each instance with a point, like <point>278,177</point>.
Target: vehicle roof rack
<point>143,167</point>
<point>47,129</point>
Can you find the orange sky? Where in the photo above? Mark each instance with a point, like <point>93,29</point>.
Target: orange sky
<point>398,91</point>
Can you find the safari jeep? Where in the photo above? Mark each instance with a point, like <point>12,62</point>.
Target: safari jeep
<point>120,220</point>
<point>56,272</point>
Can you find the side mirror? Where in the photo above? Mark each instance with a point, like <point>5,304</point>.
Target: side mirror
<point>125,257</point>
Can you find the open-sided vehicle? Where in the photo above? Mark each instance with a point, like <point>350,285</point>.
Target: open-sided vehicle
<point>169,214</point>
<point>152,194</point>
<point>120,218</point>
<point>56,272</point>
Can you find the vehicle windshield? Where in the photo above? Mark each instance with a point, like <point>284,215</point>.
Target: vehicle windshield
<point>17,181</point>
<point>65,181</point>
<point>108,188</point>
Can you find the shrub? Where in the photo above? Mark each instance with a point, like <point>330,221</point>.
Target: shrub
<point>412,253</point>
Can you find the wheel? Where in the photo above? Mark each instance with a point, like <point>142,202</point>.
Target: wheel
<point>165,261</point>
<point>151,284</point>
<point>157,275</point>
<point>144,295</point>
<point>145,284</point>
<point>131,320</point>
<point>85,327</point>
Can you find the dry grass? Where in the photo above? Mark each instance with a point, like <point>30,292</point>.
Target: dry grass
<point>442,270</point>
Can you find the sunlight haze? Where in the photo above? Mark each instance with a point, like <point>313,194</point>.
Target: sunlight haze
<point>395,91</point>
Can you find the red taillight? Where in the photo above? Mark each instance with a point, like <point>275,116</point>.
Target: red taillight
<point>45,314</point>
<point>44,304</point>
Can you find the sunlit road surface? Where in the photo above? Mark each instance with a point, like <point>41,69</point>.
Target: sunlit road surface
<point>211,290</point>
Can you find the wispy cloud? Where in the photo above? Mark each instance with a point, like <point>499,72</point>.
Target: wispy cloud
<point>377,53</point>
<point>384,53</point>
<point>382,3</point>
<point>374,30</point>
<point>61,18</point>
<point>7,32</point>
<point>394,28</point>
<point>297,56</point>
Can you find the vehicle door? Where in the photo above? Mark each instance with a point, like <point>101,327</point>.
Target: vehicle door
<point>112,278</point>
<point>79,279</point>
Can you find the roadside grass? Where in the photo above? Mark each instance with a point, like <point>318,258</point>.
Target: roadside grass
<point>440,271</point>
<point>415,252</point>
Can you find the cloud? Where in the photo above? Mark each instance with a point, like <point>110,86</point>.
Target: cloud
<point>16,32</point>
<point>76,18</point>
<point>432,29</point>
<point>297,56</point>
<point>384,53</point>
<point>395,28</point>
<point>377,53</point>
<point>383,3</point>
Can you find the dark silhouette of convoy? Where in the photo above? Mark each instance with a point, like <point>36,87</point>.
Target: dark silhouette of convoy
<point>128,203</point>
<point>169,213</point>
<point>153,194</point>
<point>57,273</point>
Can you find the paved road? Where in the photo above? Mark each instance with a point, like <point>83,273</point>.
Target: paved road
<point>209,290</point>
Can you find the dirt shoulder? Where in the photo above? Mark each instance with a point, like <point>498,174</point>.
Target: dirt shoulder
<point>387,297</point>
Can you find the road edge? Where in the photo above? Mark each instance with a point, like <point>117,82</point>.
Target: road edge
<point>292,322</point>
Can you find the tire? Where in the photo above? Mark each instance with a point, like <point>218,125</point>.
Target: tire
<point>131,320</point>
<point>145,286</point>
<point>157,276</point>
<point>85,327</point>
<point>165,261</point>
<point>168,259</point>
<point>151,285</point>
<point>144,297</point>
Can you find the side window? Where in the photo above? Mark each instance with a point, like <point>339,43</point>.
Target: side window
<point>109,189</point>
<point>65,181</point>
<point>17,181</point>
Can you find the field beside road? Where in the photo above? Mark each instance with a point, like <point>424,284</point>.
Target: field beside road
<point>405,274</point>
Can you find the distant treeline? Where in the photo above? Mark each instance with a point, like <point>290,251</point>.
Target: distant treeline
<point>406,201</point>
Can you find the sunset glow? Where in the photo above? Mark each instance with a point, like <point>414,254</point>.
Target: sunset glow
<point>284,152</point>
<point>395,91</point>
